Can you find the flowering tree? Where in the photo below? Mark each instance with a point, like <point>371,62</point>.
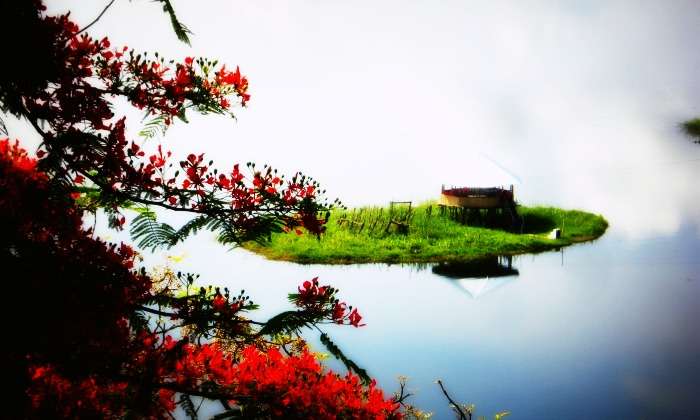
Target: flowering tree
<point>96,336</point>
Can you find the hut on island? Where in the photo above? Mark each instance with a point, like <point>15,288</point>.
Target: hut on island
<point>492,206</point>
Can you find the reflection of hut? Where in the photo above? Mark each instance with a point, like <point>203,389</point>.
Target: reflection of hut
<point>478,277</point>
<point>483,267</point>
<point>465,204</point>
<point>479,287</point>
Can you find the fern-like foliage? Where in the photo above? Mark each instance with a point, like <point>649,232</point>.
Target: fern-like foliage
<point>261,232</point>
<point>154,127</point>
<point>180,29</point>
<point>287,322</point>
<point>138,321</point>
<point>349,364</point>
<point>148,233</point>
<point>195,225</point>
<point>158,300</point>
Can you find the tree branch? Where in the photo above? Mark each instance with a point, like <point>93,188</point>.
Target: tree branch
<point>97,18</point>
<point>212,395</point>
<point>456,407</point>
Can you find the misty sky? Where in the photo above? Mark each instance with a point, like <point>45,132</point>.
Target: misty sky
<point>577,103</point>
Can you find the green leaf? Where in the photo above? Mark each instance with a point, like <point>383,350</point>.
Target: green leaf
<point>178,27</point>
<point>148,233</point>
<point>287,322</point>
<point>138,321</point>
<point>154,127</point>
<point>194,226</point>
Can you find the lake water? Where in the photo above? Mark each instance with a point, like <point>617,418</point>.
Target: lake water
<point>601,330</point>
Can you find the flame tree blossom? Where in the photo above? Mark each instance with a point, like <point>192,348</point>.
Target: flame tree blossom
<point>91,333</point>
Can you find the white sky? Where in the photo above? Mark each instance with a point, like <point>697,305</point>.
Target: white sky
<point>382,100</point>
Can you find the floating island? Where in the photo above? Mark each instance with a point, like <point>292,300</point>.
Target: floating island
<point>464,224</point>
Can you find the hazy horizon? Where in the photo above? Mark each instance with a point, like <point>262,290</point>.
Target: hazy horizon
<point>577,103</point>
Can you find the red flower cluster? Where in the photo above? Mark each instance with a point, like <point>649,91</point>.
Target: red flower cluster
<point>83,133</point>
<point>74,377</point>
<point>278,386</point>
<point>86,345</point>
<point>148,84</point>
<point>239,83</point>
<point>76,399</point>
<point>81,289</point>
<point>322,300</point>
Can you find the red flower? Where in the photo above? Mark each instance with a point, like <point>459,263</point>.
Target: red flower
<point>219,303</point>
<point>339,312</point>
<point>355,319</point>
<point>120,370</point>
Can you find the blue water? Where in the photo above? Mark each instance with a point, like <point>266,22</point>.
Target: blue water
<point>601,330</point>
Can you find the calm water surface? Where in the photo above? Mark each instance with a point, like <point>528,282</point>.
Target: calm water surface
<point>602,330</point>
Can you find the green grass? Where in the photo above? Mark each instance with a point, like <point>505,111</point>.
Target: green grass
<point>430,238</point>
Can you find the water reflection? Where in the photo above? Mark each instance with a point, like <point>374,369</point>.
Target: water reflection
<point>604,330</point>
<point>611,333</point>
<point>478,277</point>
<point>496,266</point>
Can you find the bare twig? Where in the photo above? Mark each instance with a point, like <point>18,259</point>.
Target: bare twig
<point>97,18</point>
<point>401,396</point>
<point>455,406</point>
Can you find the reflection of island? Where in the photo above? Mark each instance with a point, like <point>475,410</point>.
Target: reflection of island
<point>478,277</point>
<point>485,267</point>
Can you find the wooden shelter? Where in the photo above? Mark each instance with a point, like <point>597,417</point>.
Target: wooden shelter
<point>477,198</point>
<point>477,205</point>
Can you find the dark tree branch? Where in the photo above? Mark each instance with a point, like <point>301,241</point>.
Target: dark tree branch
<point>462,415</point>
<point>162,204</point>
<point>157,312</point>
<point>401,396</point>
<point>212,395</point>
<point>97,18</point>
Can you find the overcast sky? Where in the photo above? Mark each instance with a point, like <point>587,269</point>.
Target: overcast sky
<point>577,103</point>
